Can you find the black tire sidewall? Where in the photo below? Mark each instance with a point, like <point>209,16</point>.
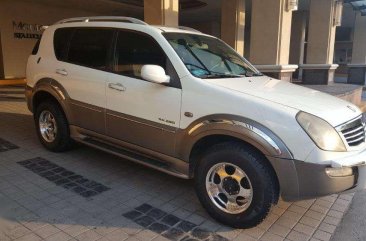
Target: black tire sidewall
<point>260,181</point>
<point>63,133</point>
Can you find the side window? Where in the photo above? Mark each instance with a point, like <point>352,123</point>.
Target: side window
<point>90,47</point>
<point>61,41</point>
<point>134,50</point>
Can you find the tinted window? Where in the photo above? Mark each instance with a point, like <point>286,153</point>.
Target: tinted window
<point>90,47</point>
<point>134,50</point>
<point>61,42</point>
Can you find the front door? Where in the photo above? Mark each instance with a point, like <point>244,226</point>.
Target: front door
<point>140,112</point>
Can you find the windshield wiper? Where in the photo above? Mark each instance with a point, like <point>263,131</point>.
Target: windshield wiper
<point>217,76</point>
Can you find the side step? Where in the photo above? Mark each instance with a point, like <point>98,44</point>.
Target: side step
<point>132,156</point>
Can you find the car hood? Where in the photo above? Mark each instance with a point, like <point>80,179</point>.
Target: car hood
<point>332,109</point>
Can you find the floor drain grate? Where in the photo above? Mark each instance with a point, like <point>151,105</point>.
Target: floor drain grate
<point>63,177</point>
<point>169,226</point>
<point>6,146</point>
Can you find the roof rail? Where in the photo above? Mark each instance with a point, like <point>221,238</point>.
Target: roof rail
<point>189,29</point>
<point>103,19</point>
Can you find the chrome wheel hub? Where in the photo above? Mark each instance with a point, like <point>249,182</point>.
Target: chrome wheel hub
<point>229,188</point>
<point>47,126</point>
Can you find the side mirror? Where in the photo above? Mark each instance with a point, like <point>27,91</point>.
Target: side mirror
<point>155,74</point>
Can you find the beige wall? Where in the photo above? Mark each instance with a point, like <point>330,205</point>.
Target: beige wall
<point>359,41</point>
<point>207,27</point>
<point>16,51</point>
<point>321,32</point>
<point>270,32</point>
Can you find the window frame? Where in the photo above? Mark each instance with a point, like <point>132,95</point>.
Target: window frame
<point>170,69</point>
<point>65,58</point>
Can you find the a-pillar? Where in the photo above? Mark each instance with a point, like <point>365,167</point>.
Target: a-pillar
<point>270,38</point>
<point>233,23</point>
<point>357,68</point>
<point>319,67</point>
<point>161,12</point>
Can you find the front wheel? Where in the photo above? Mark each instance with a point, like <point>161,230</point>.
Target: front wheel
<point>236,185</point>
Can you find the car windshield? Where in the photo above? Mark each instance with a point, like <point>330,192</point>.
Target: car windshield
<point>208,57</point>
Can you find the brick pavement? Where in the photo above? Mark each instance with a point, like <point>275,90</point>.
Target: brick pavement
<point>136,203</point>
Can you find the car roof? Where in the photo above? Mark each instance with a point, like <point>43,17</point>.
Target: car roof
<point>114,20</point>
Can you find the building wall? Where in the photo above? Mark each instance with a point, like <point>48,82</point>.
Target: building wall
<point>16,51</point>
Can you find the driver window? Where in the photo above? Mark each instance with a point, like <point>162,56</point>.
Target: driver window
<point>134,50</point>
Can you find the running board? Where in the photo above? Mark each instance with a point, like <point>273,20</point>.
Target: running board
<point>132,156</point>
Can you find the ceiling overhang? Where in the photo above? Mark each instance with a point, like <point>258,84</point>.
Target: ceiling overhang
<point>358,5</point>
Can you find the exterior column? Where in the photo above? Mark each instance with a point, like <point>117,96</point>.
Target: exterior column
<point>357,68</point>
<point>161,12</point>
<point>297,45</point>
<point>233,23</point>
<point>319,67</point>
<point>270,38</point>
<point>2,74</point>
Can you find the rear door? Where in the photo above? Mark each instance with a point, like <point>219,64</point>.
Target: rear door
<point>84,72</point>
<point>140,112</point>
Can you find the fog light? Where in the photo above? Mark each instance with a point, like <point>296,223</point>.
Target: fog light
<point>339,172</point>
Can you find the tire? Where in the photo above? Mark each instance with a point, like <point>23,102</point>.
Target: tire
<point>254,173</point>
<point>61,141</point>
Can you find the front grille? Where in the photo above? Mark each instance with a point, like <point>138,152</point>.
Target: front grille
<point>354,132</point>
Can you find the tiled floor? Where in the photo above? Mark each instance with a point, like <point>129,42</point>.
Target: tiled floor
<point>34,206</point>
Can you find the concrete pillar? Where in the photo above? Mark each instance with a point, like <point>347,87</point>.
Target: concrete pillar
<point>2,74</point>
<point>357,68</point>
<point>161,12</point>
<point>233,23</point>
<point>319,67</point>
<point>270,38</point>
<point>297,46</point>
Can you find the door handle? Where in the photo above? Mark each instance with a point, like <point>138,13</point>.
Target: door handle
<point>61,72</point>
<point>116,86</point>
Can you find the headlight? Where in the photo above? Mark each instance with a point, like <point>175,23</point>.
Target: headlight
<point>321,132</point>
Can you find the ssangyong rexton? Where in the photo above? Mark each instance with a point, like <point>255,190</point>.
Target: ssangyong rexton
<point>187,104</point>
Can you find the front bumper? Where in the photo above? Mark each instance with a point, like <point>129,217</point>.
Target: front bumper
<point>302,180</point>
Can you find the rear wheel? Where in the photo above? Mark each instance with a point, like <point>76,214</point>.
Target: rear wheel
<point>52,127</point>
<point>236,185</point>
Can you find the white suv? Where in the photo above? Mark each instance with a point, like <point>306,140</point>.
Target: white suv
<point>187,104</point>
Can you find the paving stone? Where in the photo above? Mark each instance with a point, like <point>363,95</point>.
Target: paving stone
<point>321,235</point>
<point>170,220</point>
<point>156,213</point>
<point>145,221</point>
<point>297,236</point>
<point>186,226</point>
<point>158,227</point>
<point>305,229</point>
<point>6,145</point>
<point>329,228</point>
<point>279,230</point>
<point>47,231</point>
<point>271,237</point>
<point>173,234</point>
<point>59,176</point>
<point>132,214</point>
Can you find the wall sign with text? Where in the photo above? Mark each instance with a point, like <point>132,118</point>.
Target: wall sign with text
<point>27,31</point>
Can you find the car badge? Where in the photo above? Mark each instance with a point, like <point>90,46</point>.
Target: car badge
<point>351,108</point>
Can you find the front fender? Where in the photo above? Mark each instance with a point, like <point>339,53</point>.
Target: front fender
<point>234,126</point>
